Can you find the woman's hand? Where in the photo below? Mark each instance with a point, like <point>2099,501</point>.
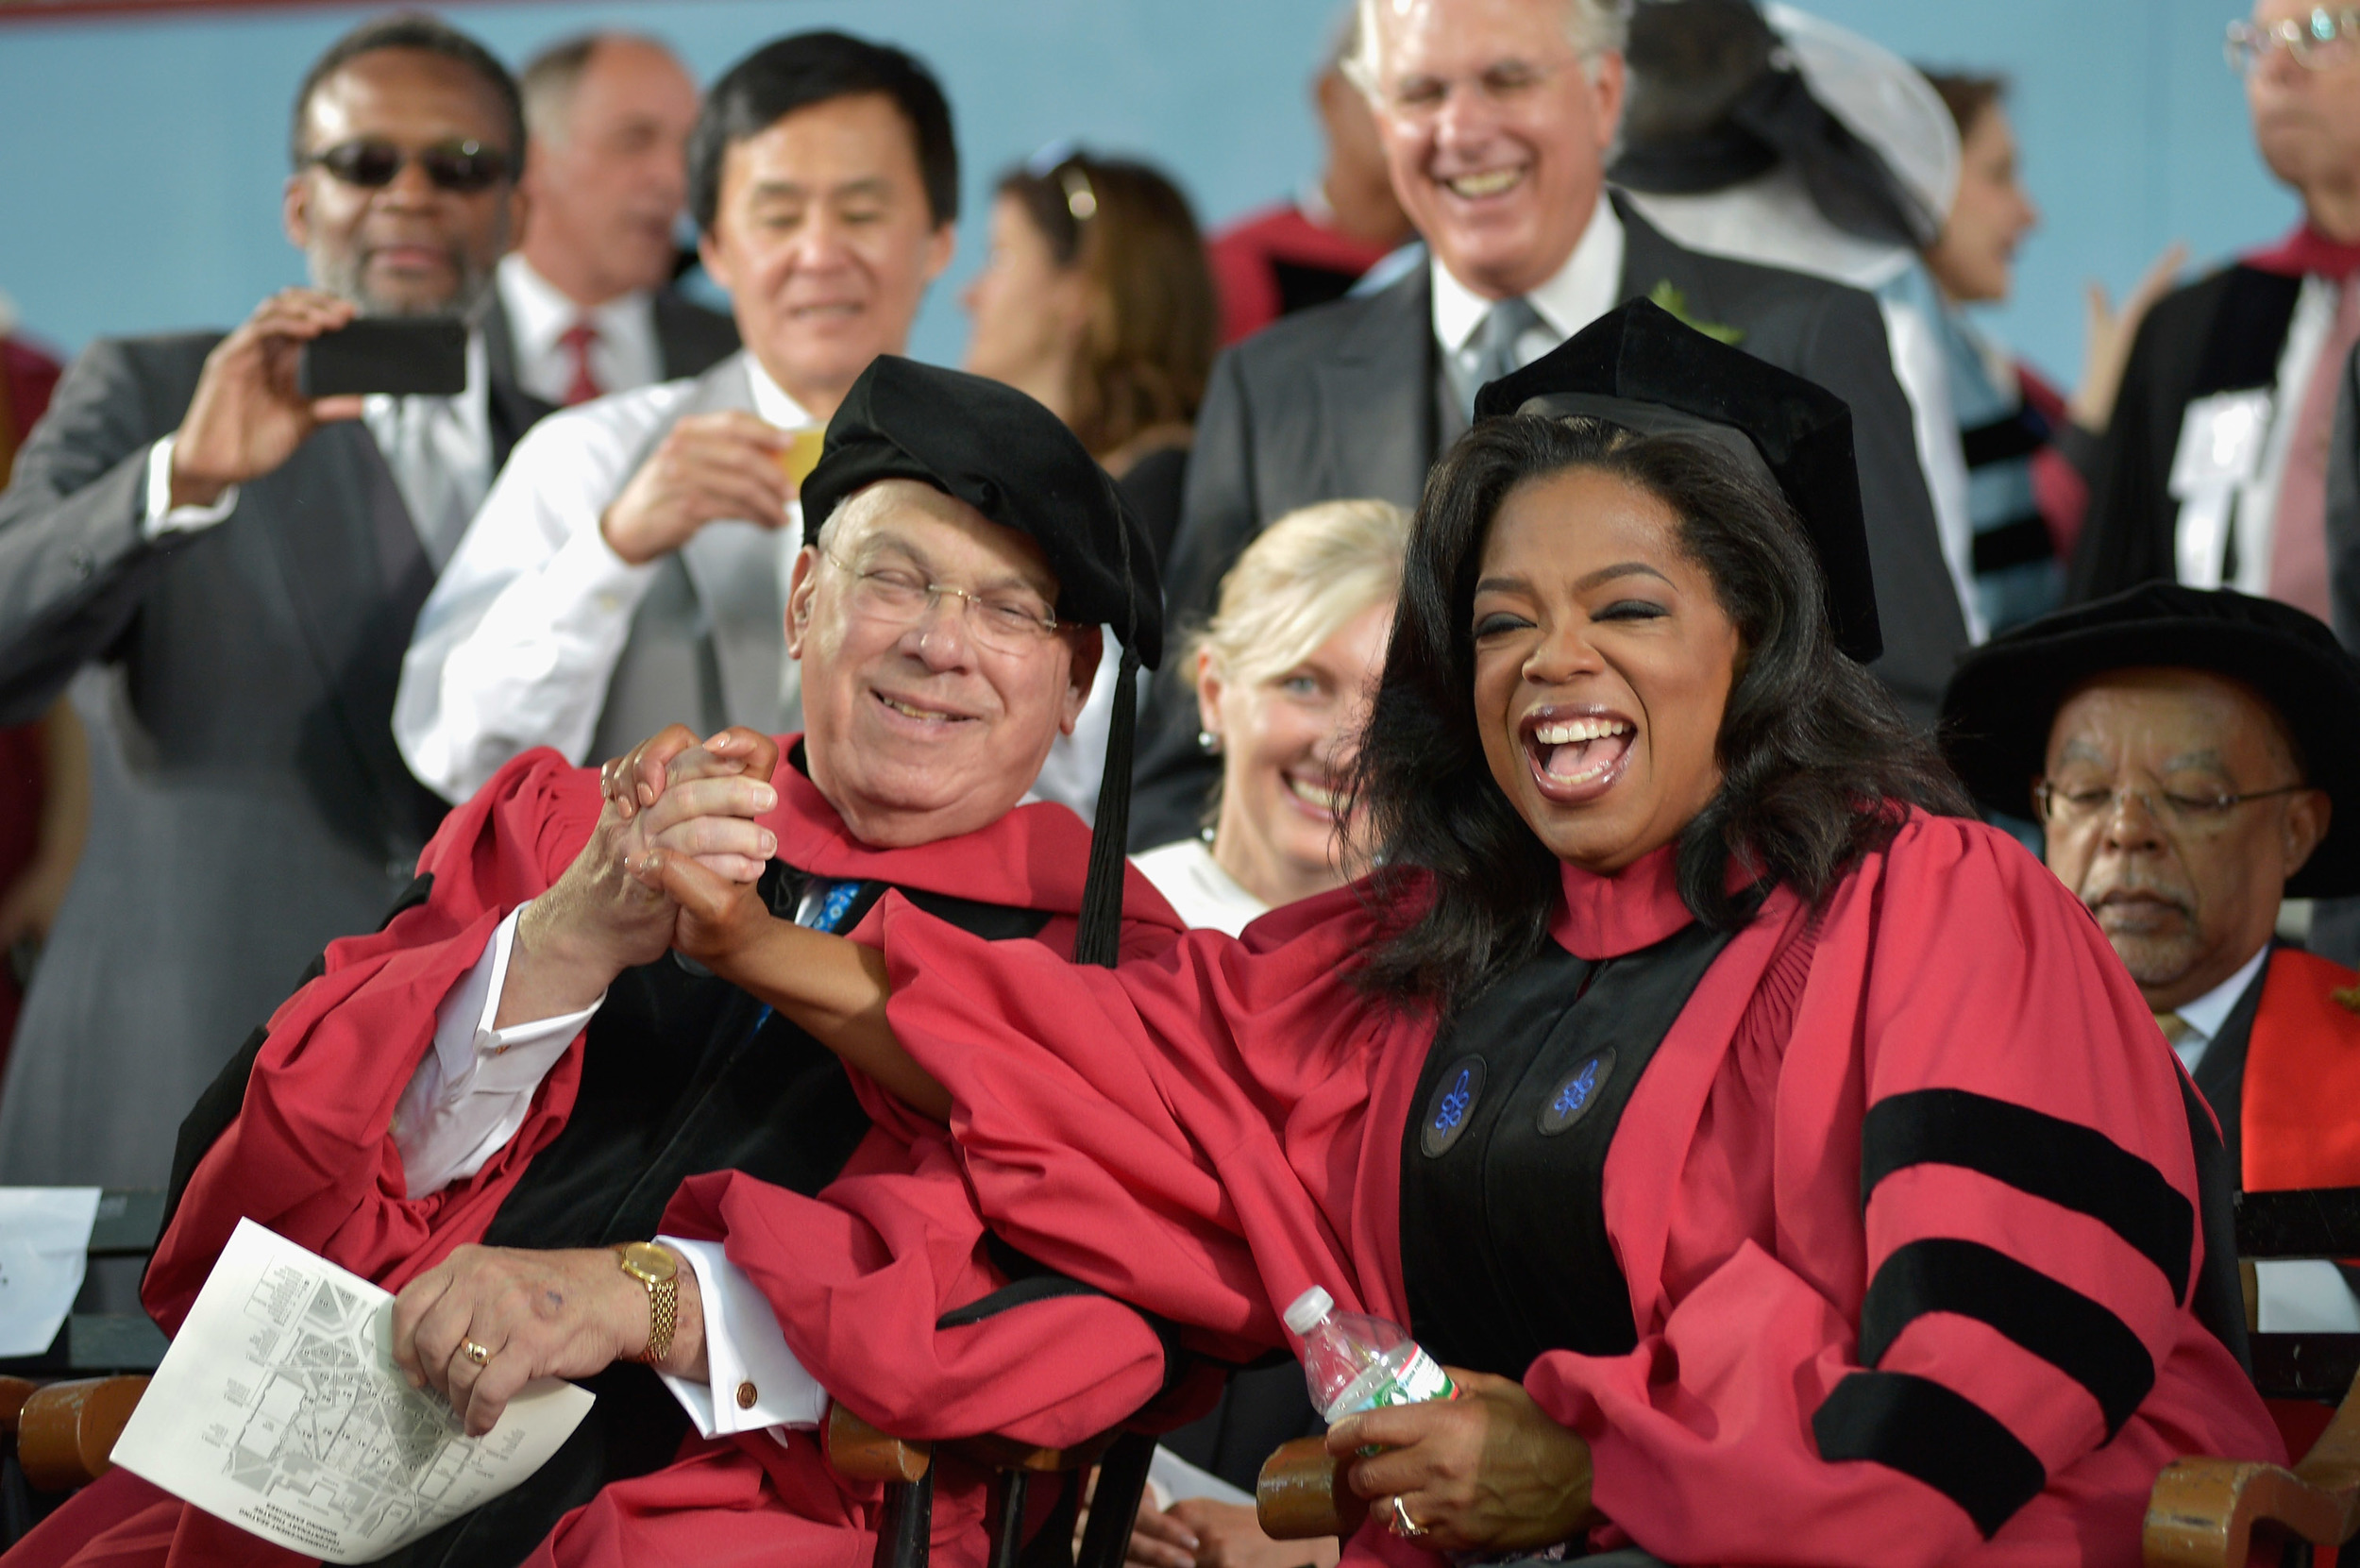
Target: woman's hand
<point>2107,335</point>
<point>636,780</point>
<point>1197,1532</point>
<point>1490,1470</point>
<point>722,923</point>
<point>479,1326</point>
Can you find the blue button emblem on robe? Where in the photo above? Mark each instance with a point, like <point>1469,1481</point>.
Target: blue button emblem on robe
<point>1453,1105</point>
<point>1576,1094</point>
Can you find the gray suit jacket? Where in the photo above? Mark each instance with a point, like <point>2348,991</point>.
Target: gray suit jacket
<point>1343,401</point>
<point>249,803</point>
<point>691,339</point>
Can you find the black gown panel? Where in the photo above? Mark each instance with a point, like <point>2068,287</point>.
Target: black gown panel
<point>1504,1248</point>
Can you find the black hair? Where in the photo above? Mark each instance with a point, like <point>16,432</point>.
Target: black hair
<point>789,73</point>
<point>1817,762</point>
<point>412,30</point>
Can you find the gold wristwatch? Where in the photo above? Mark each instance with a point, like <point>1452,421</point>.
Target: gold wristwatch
<point>659,1271</point>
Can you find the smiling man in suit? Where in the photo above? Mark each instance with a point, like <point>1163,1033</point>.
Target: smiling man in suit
<point>586,304</point>
<point>1496,116</point>
<point>246,563</point>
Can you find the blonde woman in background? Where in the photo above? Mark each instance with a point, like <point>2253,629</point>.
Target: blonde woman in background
<point>1284,674</point>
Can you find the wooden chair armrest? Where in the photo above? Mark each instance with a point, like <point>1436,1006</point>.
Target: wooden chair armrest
<point>2203,1512</point>
<point>66,1430</point>
<point>862,1453</point>
<point>1301,1494</point>
<point>998,1453</point>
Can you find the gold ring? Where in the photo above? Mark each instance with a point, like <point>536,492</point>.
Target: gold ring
<point>1405,1527</point>
<point>482,1357</point>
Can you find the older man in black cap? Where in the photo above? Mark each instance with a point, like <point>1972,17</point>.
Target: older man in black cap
<point>516,1061</point>
<point>2191,758</point>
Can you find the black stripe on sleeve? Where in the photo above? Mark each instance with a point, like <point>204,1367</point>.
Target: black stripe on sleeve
<point>2054,1321</point>
<point>2064,1162</point>
<point>1929,1434</point>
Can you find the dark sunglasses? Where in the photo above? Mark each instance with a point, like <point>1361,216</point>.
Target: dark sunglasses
<point>461,167</point>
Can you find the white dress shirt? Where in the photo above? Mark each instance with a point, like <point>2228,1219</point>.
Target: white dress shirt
<point>624,355</point>
<point>1199,891</point>
<point>516,643</point>
<point>2256,514</point>
<point>1585,288</point>
<point>415,435</point>
<point>469,1097</point>
<point>2296,1295</point>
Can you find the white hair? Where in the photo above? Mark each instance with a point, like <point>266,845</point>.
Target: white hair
<point>1595,28</point>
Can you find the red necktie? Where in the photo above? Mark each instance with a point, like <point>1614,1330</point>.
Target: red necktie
<point>2298,535</point>
<point>575,341</point>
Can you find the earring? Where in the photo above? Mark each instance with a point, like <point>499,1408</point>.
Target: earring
<point>1208,743</point>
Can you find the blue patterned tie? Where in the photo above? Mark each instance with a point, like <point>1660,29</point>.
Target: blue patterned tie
<point>834,905</point>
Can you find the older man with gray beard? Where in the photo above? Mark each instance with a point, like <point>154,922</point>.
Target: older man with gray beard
<point>2190,757</point>
<point>244,563</point>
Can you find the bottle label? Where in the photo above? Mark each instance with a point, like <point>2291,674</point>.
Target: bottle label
<point>1421,1378</point>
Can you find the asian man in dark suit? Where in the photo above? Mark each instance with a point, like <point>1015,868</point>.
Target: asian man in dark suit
<point>1496,116</point>
<point>244,565</point>
<point>586,304</point>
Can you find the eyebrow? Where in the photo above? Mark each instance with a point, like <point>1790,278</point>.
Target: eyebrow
<point>1581,584</point>
<point>874,185</point>
<point>879,539</point>
<point>2204,756</point>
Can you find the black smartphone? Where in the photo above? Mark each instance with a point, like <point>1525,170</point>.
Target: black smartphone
<point>403,355</point>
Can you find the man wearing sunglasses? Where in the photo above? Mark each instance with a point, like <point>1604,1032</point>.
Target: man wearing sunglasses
<point>2214,468</point>
<point>246,564</point>
<point>628,570</point>
<point>2190,756</point>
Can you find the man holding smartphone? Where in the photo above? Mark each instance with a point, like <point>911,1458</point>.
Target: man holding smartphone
<point>628,571</point>
<point>245,560</point>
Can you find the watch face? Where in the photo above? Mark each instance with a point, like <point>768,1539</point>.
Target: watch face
<point>647,1262</point>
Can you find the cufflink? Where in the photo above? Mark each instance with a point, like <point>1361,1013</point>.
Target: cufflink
<point>746,1396</point>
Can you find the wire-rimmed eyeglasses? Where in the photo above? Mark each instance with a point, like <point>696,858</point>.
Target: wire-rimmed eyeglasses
<point>897,594</point>
<point>2330,36</point>
<point>2078,805</point>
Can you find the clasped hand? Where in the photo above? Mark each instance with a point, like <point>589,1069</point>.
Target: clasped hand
<point>1490,1470</point>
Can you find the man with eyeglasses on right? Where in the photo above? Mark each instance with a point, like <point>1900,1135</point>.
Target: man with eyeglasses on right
<point>2190,757</point>
<point>2213,468</point>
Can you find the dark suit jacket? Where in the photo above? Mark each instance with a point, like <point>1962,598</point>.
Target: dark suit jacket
<point>2343,518</point>
<point>2222,333</point>
<point>248,804</point>
<point>691,339</point>
<point>1343,401</point>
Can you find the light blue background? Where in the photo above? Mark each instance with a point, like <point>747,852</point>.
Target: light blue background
<point>140,188</point>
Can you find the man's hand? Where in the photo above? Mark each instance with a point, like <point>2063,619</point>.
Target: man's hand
<point>247,417</point>
<point>538,1314</point>
<point>708,467</point>
<point>602,916</point>
<point>1487,1472</point>
<point>635,779</point>
<point>1197,1532</point>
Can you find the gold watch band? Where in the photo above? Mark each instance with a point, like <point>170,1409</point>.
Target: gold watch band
<point>655,1268</point>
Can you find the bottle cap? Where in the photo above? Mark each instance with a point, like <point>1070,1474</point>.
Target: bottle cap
<point>1308,1308</point>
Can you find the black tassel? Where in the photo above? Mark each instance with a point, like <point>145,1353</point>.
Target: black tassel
<point>1100,939</point>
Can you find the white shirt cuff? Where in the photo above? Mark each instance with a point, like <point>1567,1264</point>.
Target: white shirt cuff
<point>476,1087</point>
<point>162,516</point>
<point>753,1382</point>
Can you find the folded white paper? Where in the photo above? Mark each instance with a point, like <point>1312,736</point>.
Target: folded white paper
<point>45,1244</point>
<point>280,1409</point>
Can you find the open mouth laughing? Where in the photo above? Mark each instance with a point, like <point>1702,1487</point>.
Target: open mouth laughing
<point>1576,757</point>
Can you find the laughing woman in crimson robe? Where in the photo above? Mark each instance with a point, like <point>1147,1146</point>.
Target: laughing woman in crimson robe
<point>1782,1157</point>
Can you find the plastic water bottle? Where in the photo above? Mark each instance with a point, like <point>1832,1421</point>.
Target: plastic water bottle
<point>1354,1362</point>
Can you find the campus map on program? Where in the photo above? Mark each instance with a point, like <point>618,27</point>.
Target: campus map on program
<point>280,1409</point>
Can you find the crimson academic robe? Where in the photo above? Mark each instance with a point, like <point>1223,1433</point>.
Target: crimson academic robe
<point>310,1155</point>
<point>1887,1148</point>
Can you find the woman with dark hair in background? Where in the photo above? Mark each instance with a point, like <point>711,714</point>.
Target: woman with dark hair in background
<point>1096,298</point>
<point>1780,1155</point>
<point>2029,448</point>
